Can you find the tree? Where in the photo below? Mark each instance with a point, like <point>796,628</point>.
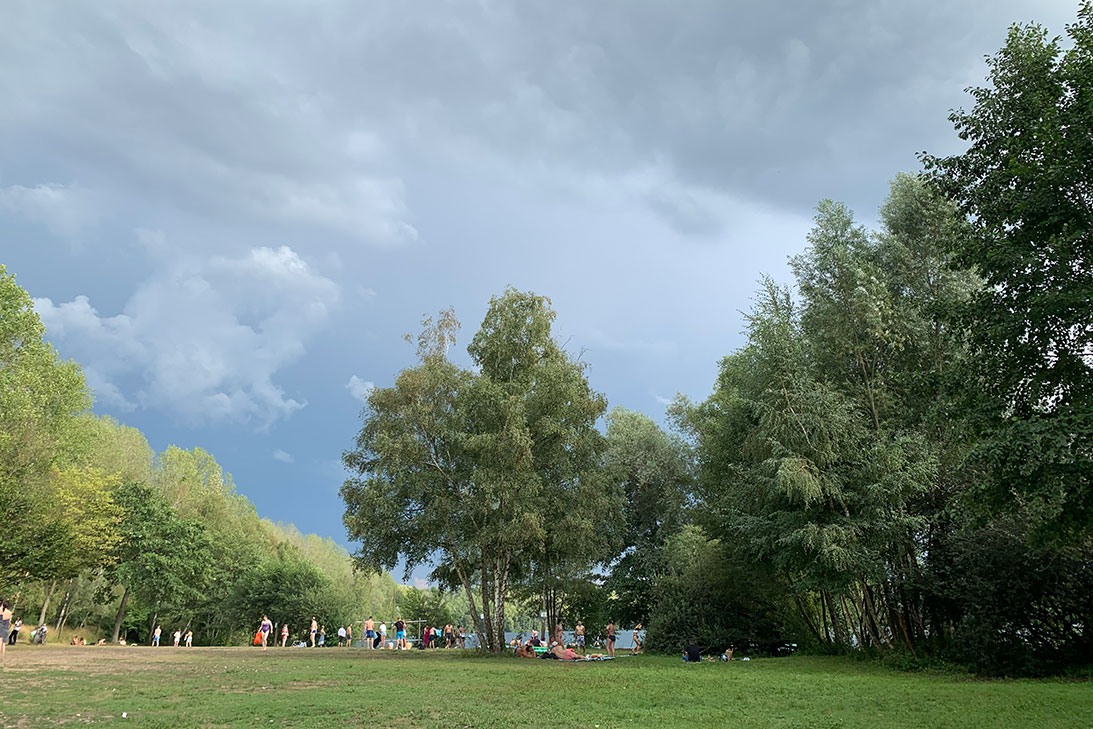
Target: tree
<point>1024,184</point>
<point>40,396</point>
<point>706,593</point>
<point>83,499</point>
<point>652,469</point>
<point>477,469</point>
<point>162,558</point>
<point>427,605</point>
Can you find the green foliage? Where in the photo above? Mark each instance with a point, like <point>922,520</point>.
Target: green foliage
<point>1023,183</point>
<point>289,589</point>
<point>708,594</point>
<point>83,500</point>
<point>653,470</point>
<point>40,397</point>
<point>1019,607</point>
<point>478,467</point>
<point>429,605</point>
<point>162,558</point>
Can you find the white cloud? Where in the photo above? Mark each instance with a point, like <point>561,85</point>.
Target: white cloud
<point>421,583</point>
<point>282,456</point>
<point>203,340</point>
<point>359,388</point>
<point>64,210</point>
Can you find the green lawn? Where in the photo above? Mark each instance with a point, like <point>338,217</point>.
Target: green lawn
<point>244,687</point>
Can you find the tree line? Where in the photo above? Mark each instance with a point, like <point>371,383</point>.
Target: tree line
<point>897,461</point>
<point>103,534</point>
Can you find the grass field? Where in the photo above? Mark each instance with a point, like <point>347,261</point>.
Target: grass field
<point>245,687</point>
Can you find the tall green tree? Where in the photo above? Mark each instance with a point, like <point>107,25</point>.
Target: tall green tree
<point>40,397</point>
<point>477,470</point>
<point>162,558</point>
<point>1024,184</point>
<point>653,470</point>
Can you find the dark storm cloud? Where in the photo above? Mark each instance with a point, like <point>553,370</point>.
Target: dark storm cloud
<point>229,212</point>
<point>314,113</point>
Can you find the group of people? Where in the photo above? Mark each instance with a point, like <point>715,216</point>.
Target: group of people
<point>693,654</point>
<point>556,646</point>
<point>374,635</point>
<point>178,636</point>
<point>10,627</point>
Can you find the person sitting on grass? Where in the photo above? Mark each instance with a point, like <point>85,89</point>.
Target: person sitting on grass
<point>535,639</point>
<point>525,651</point>
<point>692,654</point>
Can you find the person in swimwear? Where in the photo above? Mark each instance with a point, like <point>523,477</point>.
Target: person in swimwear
<point>370,632</point>
<point>265,629</point>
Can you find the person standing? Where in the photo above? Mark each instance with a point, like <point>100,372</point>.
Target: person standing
<point>637,640</point>
<point>155,636</point>
<point>578,636</point>
<point>322,636</point>
<point>265,629</point>
<point>15,628</point>
<point>284,635</point>
<point>314,630</point>
<point>341,636</point>
<point>383,635</point>
<point>610,638</point>
<point>349,636</point>
<point>449,636</point>
<point>370,632</point>
<point>5,628</point>
<point>189,639</point>
<point>400,634</point>
<point>177,636</point>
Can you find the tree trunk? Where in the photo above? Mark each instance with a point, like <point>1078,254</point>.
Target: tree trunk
<point>836,629</point>
<point>64,608</point>
<point>120,615</point>
<point>874,625</point>
<point>45,602</point>
<point>850,624</point>
<point>823,619</point>
<point>478,627</point>
<point>500,587</point>
<point>808,620</point>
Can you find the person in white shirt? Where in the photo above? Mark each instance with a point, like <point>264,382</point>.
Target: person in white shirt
<point>383,635</point>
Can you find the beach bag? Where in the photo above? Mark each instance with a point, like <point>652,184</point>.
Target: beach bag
<point>258,638</point>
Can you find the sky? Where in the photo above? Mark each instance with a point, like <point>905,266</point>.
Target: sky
<point>229,213</point>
